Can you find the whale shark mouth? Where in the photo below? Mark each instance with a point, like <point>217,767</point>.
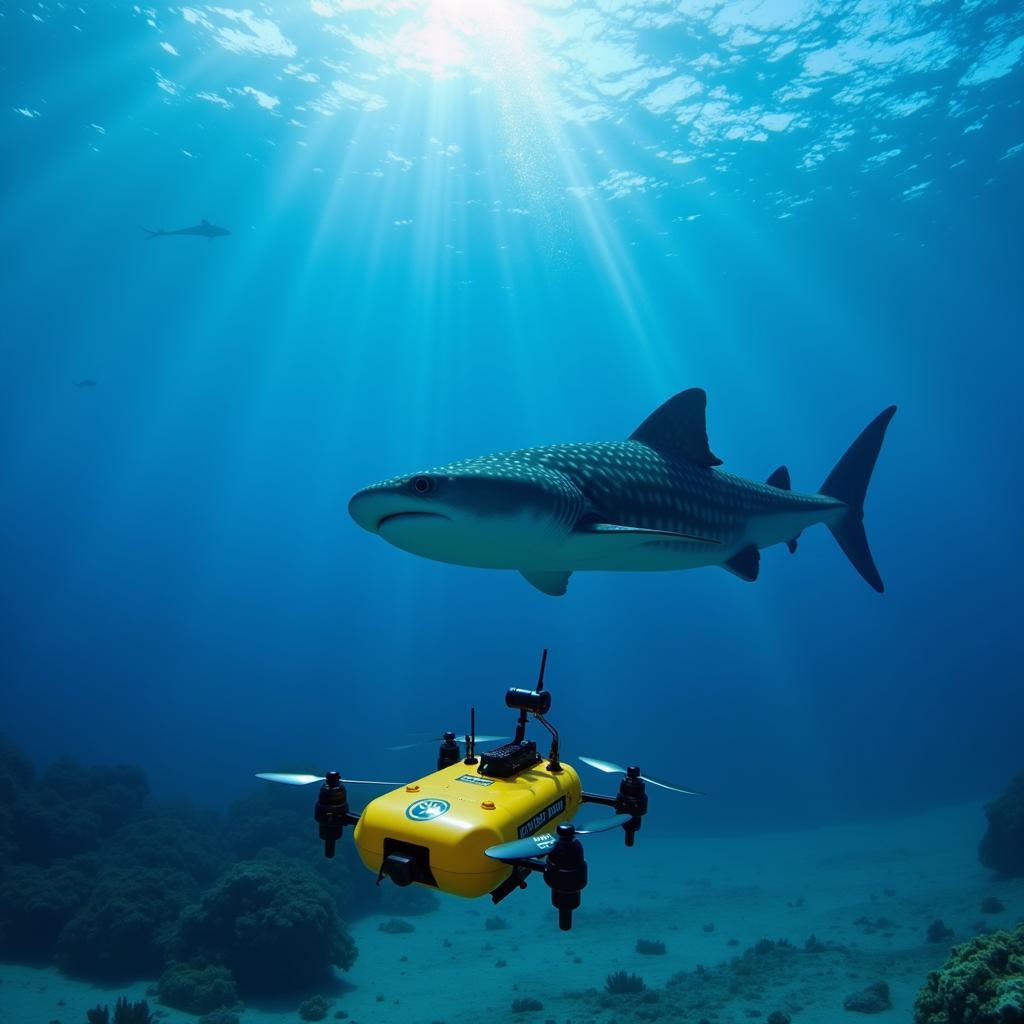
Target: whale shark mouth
<point>406,516</point>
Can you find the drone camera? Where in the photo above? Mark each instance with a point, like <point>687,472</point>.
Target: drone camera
<point>405,863</point>
<point>537,702</point>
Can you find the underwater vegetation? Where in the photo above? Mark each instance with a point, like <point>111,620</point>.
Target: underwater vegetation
<point>274,925</point>
<point>197,989</point>
<point>1002,846</point>
<point>111,886</point>
<point>982,983</point>
<point>124,1013</point>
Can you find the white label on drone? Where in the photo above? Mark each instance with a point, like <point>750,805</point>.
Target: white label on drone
<point>475,780</point>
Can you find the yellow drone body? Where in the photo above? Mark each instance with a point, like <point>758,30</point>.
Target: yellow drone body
<point>484,821</point>
<point>435,830</point>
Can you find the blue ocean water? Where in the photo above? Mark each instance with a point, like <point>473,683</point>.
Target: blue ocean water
<point>460,227</point>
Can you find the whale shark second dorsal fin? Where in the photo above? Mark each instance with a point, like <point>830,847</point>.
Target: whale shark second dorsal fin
<point>678,427</point>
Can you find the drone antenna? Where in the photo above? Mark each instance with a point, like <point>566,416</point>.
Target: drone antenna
<point>471,739</point>
<point>543,666</point>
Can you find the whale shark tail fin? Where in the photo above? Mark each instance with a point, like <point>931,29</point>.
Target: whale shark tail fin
<point>848,483</point>
<point>153,234</point>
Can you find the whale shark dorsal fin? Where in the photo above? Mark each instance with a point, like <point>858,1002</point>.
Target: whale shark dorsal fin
<point>554,584</point>
<point>780,479</point>
<point>205,223</point>
<point>678,427</point>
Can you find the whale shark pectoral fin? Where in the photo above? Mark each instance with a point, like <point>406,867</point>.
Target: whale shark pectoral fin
<point>679,427</point>
<point>554,584</point>
<point>632,535</point>
<point>746,563</point>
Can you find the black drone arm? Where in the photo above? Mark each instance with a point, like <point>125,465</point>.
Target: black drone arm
<point>631,799</point>
<point>331,812</point>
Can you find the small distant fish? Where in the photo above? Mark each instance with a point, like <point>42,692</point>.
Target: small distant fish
<point>87,383</point>
<point>204,229</point>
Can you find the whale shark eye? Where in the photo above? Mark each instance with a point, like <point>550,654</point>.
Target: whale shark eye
<point>423,484</point>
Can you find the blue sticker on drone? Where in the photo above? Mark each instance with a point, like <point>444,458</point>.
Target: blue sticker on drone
<point>426,810</point>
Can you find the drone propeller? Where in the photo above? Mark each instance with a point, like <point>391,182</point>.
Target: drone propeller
<point>609,766</point>
<point>541,844</point>
<point>304,780</point>
<point>440,739</point>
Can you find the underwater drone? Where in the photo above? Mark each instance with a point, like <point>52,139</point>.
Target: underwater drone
<point>482,823</point>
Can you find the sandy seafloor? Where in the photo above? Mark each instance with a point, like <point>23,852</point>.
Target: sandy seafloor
<point>786,885</point>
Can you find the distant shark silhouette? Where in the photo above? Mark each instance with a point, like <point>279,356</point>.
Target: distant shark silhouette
<point>654,502</point>
<point>204,228</point>
<point>87,383</point>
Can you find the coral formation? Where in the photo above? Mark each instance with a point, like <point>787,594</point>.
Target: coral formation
<point>650,947</point>
<point>527,1005</point>
<point>938,932</point>
<point>71,808</point>
<point>219,1017</point>
<point>122,930</point>
<point>275,924</point>
<point>981,983</point>
<point>872,999</point>
<point>95,877</point>
<point>172,836</point>
<point>37,902</point>
<point>315,1008</point>
<point>1002,846</point>
<point>197,989</point>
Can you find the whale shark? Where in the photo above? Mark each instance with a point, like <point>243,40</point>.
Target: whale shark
<point>652,503</point>
<point>204,229</point>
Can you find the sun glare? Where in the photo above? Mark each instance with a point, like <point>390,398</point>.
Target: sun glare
<point>446,38</point>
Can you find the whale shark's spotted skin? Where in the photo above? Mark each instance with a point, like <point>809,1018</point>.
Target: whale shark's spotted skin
<point>652,503</point>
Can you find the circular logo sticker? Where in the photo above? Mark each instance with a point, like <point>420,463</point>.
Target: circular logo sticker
<point>426,810</point>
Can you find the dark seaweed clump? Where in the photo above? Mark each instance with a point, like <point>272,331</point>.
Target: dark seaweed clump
<point>124,1013</point>
<point>620,984</point>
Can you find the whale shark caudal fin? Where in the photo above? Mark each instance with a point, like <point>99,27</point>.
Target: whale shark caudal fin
<point>678,427</point>
<point>780,479</point>
<point>848,483</point>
